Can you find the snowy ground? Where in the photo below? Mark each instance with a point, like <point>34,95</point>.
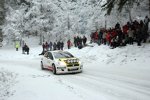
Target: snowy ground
<point>109,74</point>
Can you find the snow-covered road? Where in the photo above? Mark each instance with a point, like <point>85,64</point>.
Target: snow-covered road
<point>120,79</point>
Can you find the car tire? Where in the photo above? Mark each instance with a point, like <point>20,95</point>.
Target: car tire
<point>54,69</point>
<point>42,67</point>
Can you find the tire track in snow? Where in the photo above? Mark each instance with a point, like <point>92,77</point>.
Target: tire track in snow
<point>126,90</point>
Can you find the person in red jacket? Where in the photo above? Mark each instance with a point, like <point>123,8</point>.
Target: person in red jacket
<point>114,33</point>
<point>108,38</point>
<point>69,44</point>
<point>95,36</point>
<point>125,32</point>
<point>125,29</point>
<point>46,46</point>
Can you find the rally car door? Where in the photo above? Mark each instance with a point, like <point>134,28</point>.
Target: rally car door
<point>45,60</point>
<point>50,60</point>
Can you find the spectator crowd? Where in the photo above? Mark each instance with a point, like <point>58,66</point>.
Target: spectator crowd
<point>131,32</point>
<point>78,42</point>
<point>120,36</point>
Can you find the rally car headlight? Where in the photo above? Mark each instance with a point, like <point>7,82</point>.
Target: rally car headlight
<point>69,61</point>
<point>77,60</point>
<point>72,61</point>
<point>62,63</point>
<point>80,63</point>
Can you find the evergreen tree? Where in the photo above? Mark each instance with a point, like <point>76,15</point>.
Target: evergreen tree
<point>110,4</point>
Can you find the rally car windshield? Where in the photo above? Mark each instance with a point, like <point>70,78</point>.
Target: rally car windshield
<point>62,55</point>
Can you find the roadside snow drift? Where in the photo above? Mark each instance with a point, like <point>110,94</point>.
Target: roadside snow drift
<point>7,80</point>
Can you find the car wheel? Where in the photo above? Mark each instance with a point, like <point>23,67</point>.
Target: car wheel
<point>54,69</point>
<point>42,67</point>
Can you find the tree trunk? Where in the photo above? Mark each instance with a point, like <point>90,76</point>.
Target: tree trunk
<point>130,16</point>
<point>149,7</point>
<point>2,17</point>
<point>40,39</point>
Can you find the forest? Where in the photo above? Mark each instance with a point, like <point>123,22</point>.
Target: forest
<point>60,18</point>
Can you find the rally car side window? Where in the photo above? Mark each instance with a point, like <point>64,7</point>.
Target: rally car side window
<point>46,55</point>
<point>50,55</point>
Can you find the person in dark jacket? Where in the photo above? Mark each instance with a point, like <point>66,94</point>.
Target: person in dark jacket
<point>100,37</point>
<point>75,41</point>
<point>139,35</point>
<point>61,45</point>
<point>54,46</point>
<point>58,45</point>
<point>84,40</point>
<point>50,46</point>
<point>117,26</point>
<point>146,21</point>
<point>44,47</point>
<point>80,43</point>
<point>25,49</point>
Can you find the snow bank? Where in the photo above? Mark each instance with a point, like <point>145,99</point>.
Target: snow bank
<point>130,54</point>
<point>7,80</point>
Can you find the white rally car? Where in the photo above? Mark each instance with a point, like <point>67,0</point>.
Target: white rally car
<point>61,62</point>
